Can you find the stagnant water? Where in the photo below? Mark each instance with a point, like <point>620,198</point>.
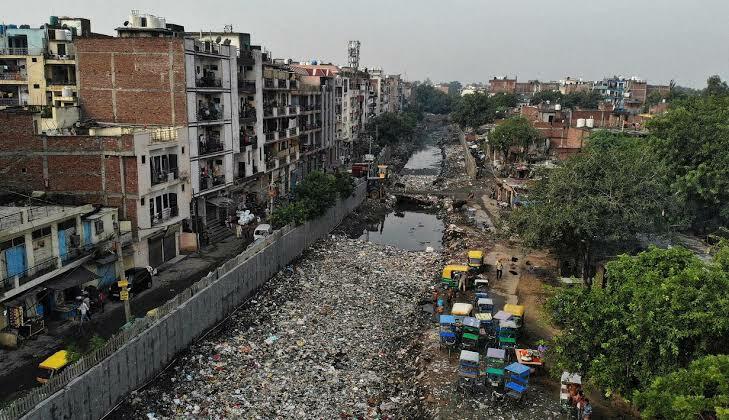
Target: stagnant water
<point>407,229</point>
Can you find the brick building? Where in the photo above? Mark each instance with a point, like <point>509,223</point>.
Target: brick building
<point>138,172</point>
<point>502,85</point>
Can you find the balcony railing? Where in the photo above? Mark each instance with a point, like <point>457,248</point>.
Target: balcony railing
<point>293,84</point>
<point>247,85</point>
<point>9,101</point>
<point>212,145</point>
<point>160,176</point>
<point>247,140</point>
<point>282,84</point>
<point>165,215</point>
<point>268,84</point>
<point>8,283</point>
<point>208,82</point>
<point>21,51</point>
<point>248,113</point>
<point>13,75</point>
<point>60,81</point>
<point>51,56</point>
<point>163,135</point>
<point>270,136</point>
<point>210,182</point>
<point>214,112</point>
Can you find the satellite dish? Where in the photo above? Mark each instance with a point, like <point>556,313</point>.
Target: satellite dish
<point>217,40</point>
<point>226,42</point>
<point>126,23</point>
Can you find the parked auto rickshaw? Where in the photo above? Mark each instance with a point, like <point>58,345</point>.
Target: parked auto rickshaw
<point>461,310</point>
<point>447,332</point>
<point>517,311</point>
<point>516,377</point>
<point>469,367</point>
<point>52,366</point>
<point>495,361</point>
<point>485,322</point>
<point>507,334</point>
<point>471,328</point>
<point>451,274</point>
<point>481,284</point>
<point>475,260</point>
<point>485,305</point>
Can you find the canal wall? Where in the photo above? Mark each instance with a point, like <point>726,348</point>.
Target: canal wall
<point>471,167</point>
<point>99,389</point>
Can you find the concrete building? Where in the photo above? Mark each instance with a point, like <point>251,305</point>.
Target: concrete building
<point>47,254</point>
<point>502,85</point>
<point>38,69</point>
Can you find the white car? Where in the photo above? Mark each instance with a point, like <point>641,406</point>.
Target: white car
<point>262,231</point>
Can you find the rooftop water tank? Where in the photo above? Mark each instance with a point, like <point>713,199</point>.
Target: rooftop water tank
<point>135,21</point>
<point>62,35</point>
<point>53,20</point>
<point>580,122</point>
<point>590,122</point>
<point>557,107</point>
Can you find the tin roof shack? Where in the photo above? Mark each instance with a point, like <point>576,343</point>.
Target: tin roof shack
<point>512,192</point>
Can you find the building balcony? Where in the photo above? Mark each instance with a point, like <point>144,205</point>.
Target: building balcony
<point>210,182</point>
<point>214,112</point>
<point>56,57</point>
<point>8,283</point>
<point>162,176</point>
<point>60,81</point>
<point>21,51</point>
<point>209,82</point>
<point>248,86</point>
<point>165,215</point>
<point>269,84</point>
<point>246,58</point>
<point>282,83</point>
<point>272,163</point>
<point>247,114</point>
<point>211,146</point>
<point>163,135</point>
<point>9,101</point>
<point>270,136</point>
<point>293,84</point>
<point>13,76</point>
<point>247,140</point>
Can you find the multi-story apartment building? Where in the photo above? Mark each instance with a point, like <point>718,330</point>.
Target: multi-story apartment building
<point>144,173</point>
<point>38,69</point>
<point>395,88</point>
<point>47,254</point>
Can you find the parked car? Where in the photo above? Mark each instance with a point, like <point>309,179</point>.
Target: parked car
<point>262,231</point>
<point>139,279</point>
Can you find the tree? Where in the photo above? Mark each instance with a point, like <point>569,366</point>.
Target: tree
<point>716,87</point>
<point>548,95</point>
<point>692,139</point>
<point>454,88</point>
<point>390,127</point>
<point>611,192</point>
<point>514,132</point>
<point>474,110</point>
<point>661,309</point>
<point>587,100</point>
<point>700,391</point>
<point>426,98</point>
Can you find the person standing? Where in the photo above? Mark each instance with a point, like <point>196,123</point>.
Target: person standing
<point>499,269</point>
<point>83,310</point>
<point>102,300</point>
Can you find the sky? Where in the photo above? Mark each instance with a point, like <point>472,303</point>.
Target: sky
<point>444,40</point>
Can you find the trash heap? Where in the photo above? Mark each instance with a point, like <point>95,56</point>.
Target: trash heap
<point>332,336</point>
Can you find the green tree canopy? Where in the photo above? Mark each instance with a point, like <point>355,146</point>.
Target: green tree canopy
<point>660,310</point>
<point>716,87</point>
<point>552,96</point>
<point>390,127</point>
<point>586,100</point>
<point>426,98</point>
<point>514,132</point>
<point>700,391</point>
<point>454,88</point>
<point>477,109</point>
<point>608,194</point>
<point>692,138</point>
<point>316,193</point>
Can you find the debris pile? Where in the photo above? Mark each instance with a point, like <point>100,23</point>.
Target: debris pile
<point>333,336</point>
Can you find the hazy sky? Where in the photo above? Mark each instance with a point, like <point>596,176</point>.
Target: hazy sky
<point>466,40</point>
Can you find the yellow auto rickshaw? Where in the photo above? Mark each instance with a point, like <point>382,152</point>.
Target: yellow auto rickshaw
<point>475,259</point>
<point>52,366</point>
<point>451,273</point>
<point>517,311</point>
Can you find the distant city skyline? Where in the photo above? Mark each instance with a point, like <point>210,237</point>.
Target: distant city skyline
<point>460,40</point>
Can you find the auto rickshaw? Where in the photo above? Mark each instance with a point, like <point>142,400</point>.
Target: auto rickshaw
<point>517,380</point>
<point>447,332</point>
<point>52,366</point>
<point>461,310</point>
<point>517,311</point>
<point>451,272</point>
<point>485,322</point>
<point>485,305</point>
<point>507,334</point>
<point>495,362</point>
<point>471,328</point>
<point>469,367</point>
<point>475,260</point>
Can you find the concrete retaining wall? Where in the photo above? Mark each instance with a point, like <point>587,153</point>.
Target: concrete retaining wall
<point>471,168</point>
<point>98,390</point>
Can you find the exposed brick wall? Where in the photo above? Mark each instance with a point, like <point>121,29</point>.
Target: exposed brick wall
<point>502,85</point>
<point>530,112</point>
<point>137,81</point>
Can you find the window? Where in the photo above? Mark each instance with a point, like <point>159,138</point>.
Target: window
<point>24,170</point>
<point>144,159</point>
<point>183,187</point>
<point>46,231</point>
<point>141,201</point>
<point>99,226</point>
<point>36,86</point>
<point>35,60</point>
<point>183,150</point>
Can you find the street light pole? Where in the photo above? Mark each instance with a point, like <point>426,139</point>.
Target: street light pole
<point>123,284</point>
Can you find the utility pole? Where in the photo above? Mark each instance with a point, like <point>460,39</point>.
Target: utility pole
<point>123,283</point>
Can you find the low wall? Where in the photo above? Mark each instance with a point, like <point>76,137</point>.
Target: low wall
<point>95,392</point>
<point>471,168</point>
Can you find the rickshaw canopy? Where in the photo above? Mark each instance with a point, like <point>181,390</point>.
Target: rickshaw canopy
<point>469,356</point>
<point>516,310</point>
<point>461,309</point>
<point>447,319</point>
<point>477,255</point>
<point>483,316</point>
<point>450,268</point>
<point>496,353</point>
<point>517,368</point>
<point>503,316</point>
<point>56,361</point>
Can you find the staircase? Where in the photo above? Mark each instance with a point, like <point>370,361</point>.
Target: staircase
<point>217,233</point>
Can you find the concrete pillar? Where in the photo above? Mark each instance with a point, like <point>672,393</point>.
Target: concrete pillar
<point>29,253</point>
<point>55,250</point>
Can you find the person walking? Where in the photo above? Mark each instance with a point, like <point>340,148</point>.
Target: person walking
<point>102,300</point>
<point>83,310</point>
<point>499,269</point>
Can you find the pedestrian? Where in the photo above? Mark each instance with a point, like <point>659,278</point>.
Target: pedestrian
<point>87,302</point>
<point>499,269</point>
<point>586,409</point>
<point>238,230</point>
<point>83,310</point>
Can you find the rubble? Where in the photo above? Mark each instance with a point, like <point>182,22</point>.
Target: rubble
<point>333,336</point>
